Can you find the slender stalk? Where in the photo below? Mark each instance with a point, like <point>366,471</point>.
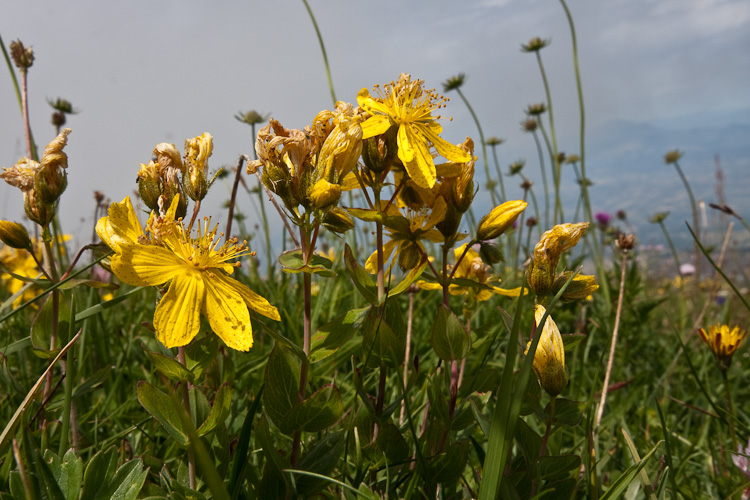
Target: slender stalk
<point>671,247</point>
<point>196,209</point>
<point>610,361</point>
<point>484,147</point>
<point>604,286</point>
<point>322,49</point>
<point>279,210</point>
<point>52,273</point>
<point>186,403</point>
<point>544,177</point>
<point>233,198</point>
<point>307,251</point>
<point>696,219</point>
<point>499,172</point>
<point>407,353</point>
<point>545,438</point>
<point>555,163</point>
<point>730,408</point>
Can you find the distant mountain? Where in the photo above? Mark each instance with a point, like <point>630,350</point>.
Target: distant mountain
<point>626,163</point>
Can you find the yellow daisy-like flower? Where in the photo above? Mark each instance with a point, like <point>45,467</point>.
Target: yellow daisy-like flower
<point>549,358</point>
<point>472,268</point>
<point>407,105</point>
<point>723,342</point>
<point>20,263</point>
<point>197,270</point>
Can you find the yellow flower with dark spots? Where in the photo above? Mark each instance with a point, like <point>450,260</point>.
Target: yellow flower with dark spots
<point>549,358</point>
<point>197,270</point>
<point>407,105</point>
<point>723,342</point>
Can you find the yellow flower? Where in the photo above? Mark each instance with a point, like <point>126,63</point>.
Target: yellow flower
<point>197,271</point>
<point>20,263</point>
<point>723,342</point>
<point>549,358</point>
<point>472,268</point>
<point>407,232</point>
<point>408,106</point>
<point>500,219</point>
<point>547,252</point>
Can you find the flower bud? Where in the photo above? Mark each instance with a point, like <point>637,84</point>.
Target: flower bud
<point>337,220</point>
<point>195,179</point>
<point>549,358</point>
<point>379,152</point>
<point>541,272</point>
<point>579,288</point>
<point>490,254</point>
<point>500,219</point>
<point>149,185</point>
<point>409,257</point>
<point>15,235</point>
<point>51,179</point>
<point>323,193</point>
<point>22,57</point>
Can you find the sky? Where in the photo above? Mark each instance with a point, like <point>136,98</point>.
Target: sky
<point>144,72</point>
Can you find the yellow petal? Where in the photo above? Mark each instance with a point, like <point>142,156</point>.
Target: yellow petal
<point>372,262</point>
<point>227,313</point>
<point>447,150</point>
<point>414,153</point>
<point>121,226</point>
<point>148,265</point>
<point>375,125</point>
<point>177,317</point>
<point>254,301</point>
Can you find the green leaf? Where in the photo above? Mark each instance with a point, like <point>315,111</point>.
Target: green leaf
<point>292,261</point>
<point>219,411</point>
<point>169,367</point>
<point>321,459</point>
<point>408,280</point>
<point>41,327</point>
<point>282,385</point>
<point>89,283</point>
<point>367,215</point>
<point>449,465</point>
<point>551,468</point>
<point>201,353</point>
<point>274,459</point>
<point>127,482</point>
<point>159,405</point>
<point>622,482</point>
<point>450,340</point>
<point>361,278</point>
<point>384,339</point>
<point>280,339</point>
<point>334,334</point>
<point>568,412</point>
<point>50,489</point>
<point>94,310</point>
<point>570,340</point>
<point>392,443</point>
<point>316,413</point>
<point>68,472</point>
<point>99,472</point>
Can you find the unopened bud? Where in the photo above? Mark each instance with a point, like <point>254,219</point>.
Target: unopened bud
<point>149,185</point>
<point>500,219</point>
<point>549,358</point>
<point>337,220</point>
<point>15,235</point>
<point>52,179</point>
<point>379,152</point>
<point>490,254</point>
<point>195,179</point>
<point>580,287</point>
<point>22,57</point>
<point>323,193</point>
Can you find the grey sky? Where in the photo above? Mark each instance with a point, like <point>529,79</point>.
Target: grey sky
<point>144,72</point>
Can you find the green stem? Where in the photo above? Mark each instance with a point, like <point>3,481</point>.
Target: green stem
<point>604,285</point>
<point>499,172</point>
<point>484,147</point>
<point>186,404</point>
<point>730,407</point>
<point>696,219</point>
<point>544,178</point>
<point>671,247</point>
<point>322,49</point>
<point>610,360</point>
<point>555,163</point>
